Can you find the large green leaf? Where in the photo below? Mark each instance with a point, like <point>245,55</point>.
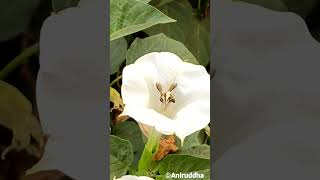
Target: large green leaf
<point>176,163</point>
<point>145,1</point>
<point>15,16</point>
<point>191,31</point>
<point>201,151</point>
<point>58,5</point>
<point>16,115</point>
<point>198,40</point>
<point>130,16</point>
<point>121,156</point>
<point>193,139</point>
<point>117,168</point>
<point>130,131</point>
<point>118,51</point>
<point>158,43</point>
<point>158,3</point>
<point>180,10</point>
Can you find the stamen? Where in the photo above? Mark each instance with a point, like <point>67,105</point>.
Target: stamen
<point>166,97</point>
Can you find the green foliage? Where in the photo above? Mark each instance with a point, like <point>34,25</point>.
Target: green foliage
<point>158,43</point>
<point>180,10</point>
<point>130,16</point>
<point>176,163</point>
<point>189,29</point>
<point>199,40</point>
<point>118,54</point>
<point>201,151</point>
<point>121,156</point>
<point>130,131</point>
<point>15,16</point>
<point>16,115</point>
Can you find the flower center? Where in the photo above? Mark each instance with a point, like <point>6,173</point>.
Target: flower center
<point>166,97</point>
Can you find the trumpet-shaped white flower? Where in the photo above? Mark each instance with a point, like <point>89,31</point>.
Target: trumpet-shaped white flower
<point>162,91</point>
<point>130,177</point>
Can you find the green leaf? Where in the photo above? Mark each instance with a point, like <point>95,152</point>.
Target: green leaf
<point>16,115</point>
<point>118,50</point>
<point>121,156</point>
<point>145,1</point>
<point>130,16</point>
<point>193,139</point>
<point>191,31</point>
<point>117,168</point>
<point>58,5</point>
<point>158,43</point>
<point>15,16</point>
<point>158,3</point>
<point>198,40</point>
<point>180,10</point>
<point>116,99</point>
<point>201,151</point>
<point>176,163</point>
<point>130,131</point>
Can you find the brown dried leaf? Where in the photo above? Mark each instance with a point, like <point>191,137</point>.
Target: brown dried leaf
<point>166,146</point>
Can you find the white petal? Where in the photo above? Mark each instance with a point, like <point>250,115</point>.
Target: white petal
<point>134,88</point>
<point>152,118</point>
<point>164,65</point>
<point>151,68</point>
<point>192,117</point>
<point>193,84</point>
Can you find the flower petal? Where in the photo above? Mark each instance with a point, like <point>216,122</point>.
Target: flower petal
<point>134,88</point>
<point>151,68</point>
<point>192,117</point>
<point>193,84</point>
<point>152,118</point>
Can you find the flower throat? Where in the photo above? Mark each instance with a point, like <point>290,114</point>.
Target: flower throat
<point>166,97</point>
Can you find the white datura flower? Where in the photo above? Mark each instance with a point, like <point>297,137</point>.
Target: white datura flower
<point>162,91</point>
<point>131,177</point>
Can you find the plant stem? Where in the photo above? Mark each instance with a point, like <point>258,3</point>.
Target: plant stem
<point>150,149</point>
<point>115,81</point>
<point>22,58</point>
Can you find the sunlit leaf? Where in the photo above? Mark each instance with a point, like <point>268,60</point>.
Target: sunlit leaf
<point>16,115</point>
<point>130,16</point>
<point>116,99</point>
<point>158,43</point>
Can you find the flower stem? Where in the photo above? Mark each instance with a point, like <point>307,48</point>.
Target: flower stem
<point>150,149</point>
<point>19,60</point>
<point>115,81</point>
